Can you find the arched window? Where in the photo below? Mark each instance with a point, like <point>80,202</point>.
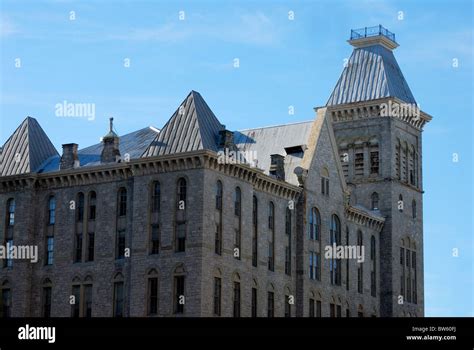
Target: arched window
<point>375,201</point>
<point>314,224</point>
<point>236,295</point>
<point>122,199</point>
<point>237,201</point>
<point>179,290</point>
<point>373,280</point>
<point>92,205</point>
<point>80,207</point>
<point>219,195</point>
<point>155,197</point>
<point>360,270</point>
<point>335,239</point>
<point>255,232</point>
<point>51,210</point>
<point>11,212</point>
<point>182,192</point>
<point>413,209</point>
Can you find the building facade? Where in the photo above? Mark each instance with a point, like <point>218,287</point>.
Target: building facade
<point>196,220</point>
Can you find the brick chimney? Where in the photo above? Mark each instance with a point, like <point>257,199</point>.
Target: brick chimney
<point>277,166</point>
<point>226,139</point>
<point>69,159</point>
<point>110,151</point>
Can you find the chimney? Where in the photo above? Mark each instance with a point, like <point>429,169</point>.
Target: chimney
<point>110,151</point>
<point>226,139</point>
<point>277,166</point>
<point>69,159</point>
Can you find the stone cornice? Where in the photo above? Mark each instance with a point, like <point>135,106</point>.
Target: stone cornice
<point>371,109</point>
<point>146,166</point>
<point>362,218</point>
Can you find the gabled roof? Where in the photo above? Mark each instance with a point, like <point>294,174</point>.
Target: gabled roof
<point>26,149</point>
<point>192,127</point>
<point>372,72</point>
<point>263,142</point>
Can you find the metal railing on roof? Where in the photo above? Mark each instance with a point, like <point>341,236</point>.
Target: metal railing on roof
<point>372,31</point>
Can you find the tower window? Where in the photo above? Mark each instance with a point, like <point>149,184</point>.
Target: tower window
<point>11,212</point>
<point>375,201</point>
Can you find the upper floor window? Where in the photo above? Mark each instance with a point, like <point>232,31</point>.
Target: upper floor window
<point>92,205</point>
<point>335,237</point>
<point>155,197</point>
<point>219,195</point>
<point>375,201</point>
<point>237,201</point>
<point>80,207</point>
<point>314,224</point>
<point>271,215</point>
<point>413,209</point>
<point>182,189</point>
<point>359,163</point>
<point>400,203</point>
<point>122,201</point>
<point>51,210</point>
<point>325,182</point>
<point>374,161</point>
<point>11,212</point>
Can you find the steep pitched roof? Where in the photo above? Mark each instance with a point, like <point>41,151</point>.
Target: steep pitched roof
<point>263,142</point>
<point>193,126</point>
<point>372,72</point>
<point>26,149</point>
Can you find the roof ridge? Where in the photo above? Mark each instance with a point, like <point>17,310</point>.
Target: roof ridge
<point>276,126</point>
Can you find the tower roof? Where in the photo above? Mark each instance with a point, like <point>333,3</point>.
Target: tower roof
<point>26,149</point>
<point>372,71</point>
<point>193,126</point>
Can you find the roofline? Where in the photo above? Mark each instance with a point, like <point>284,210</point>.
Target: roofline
<point>276,126</point>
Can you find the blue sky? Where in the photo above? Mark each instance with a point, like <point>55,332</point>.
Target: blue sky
<point>282,63</point>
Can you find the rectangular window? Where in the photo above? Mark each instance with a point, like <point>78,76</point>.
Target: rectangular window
<point>332,310</point>
<point>120,245</point>
<point>152,296</point>
<point>311,308</point>
<point>87,311</point>
<point>9,261</point>
<point>254,302</point>
<point>359,279</point>
<point>76,306</point>
<point>287,261</point>
<point>180,244</point>
<point>5,303</point>
<point>155,239</point>
<point>217,296</point>
<point>348,313</point>
<point>271,304</point>
<point>359,164</point>
<point>90,246</point>
<point>318,308</point>
<point>218,240</point>
<point>327,186</point>
<point>374,162</point>
<point>46,302</point>
<point>92,208</point>
<point>402,255</point>
<point>339,311</point>
<point>118,299</point>
<point>271,258</point>
<point>236,299</point>
<point>373,288</point>
<point>78,250</point>
<point>323,186</point>
<point>317,266</point>
<point>179,294</point>
<point>50,250</point>
<point>287,306</point>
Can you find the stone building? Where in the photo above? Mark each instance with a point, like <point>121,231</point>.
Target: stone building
<point>197,220</point>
